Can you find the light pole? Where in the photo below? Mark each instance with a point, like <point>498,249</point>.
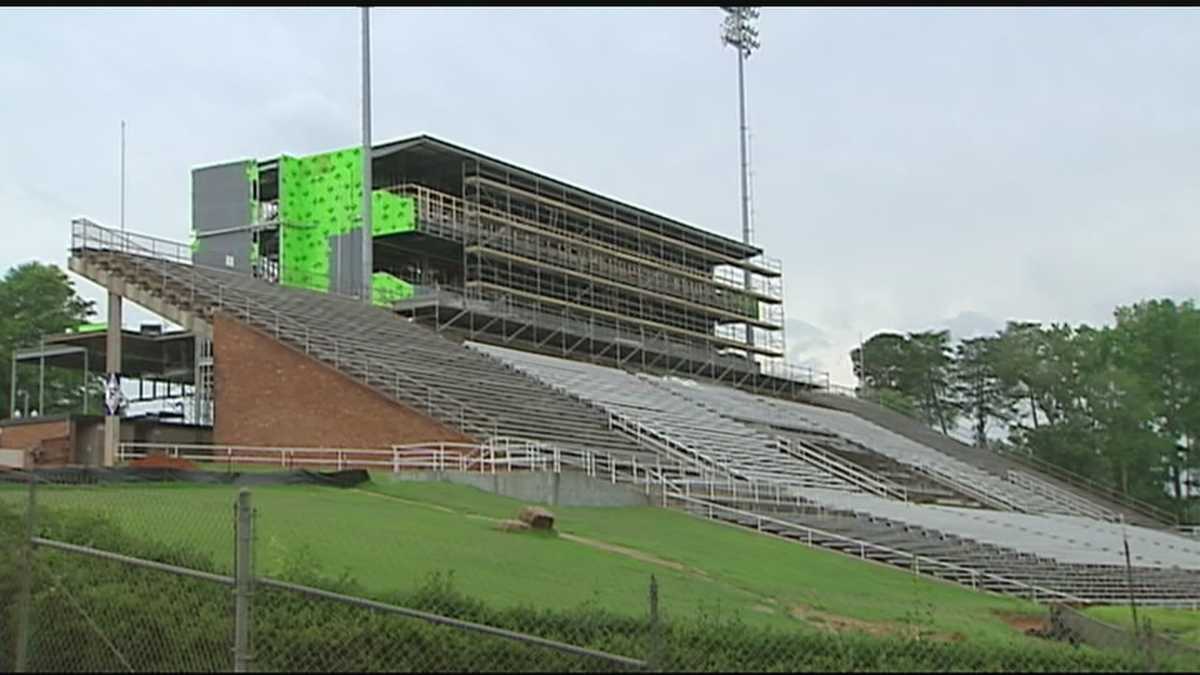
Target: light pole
<point>368,239</point>
<point>122,176</point>
<point>739,32</point>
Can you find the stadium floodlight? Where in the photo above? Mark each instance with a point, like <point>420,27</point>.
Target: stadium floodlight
<point>739,29</point>
<point>739,32</point>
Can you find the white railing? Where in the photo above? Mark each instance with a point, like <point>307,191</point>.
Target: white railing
<point>1076,505</point>
<point>866,550</point>
<point>674,484</point>
<point>154,255</point>
<point>834,466</point>
<point>956,481</point>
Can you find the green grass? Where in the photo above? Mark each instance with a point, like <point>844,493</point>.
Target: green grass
<point>391,536</point>
<point>1177,624</point>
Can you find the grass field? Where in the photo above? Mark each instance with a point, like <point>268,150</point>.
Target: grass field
<point>1180,625</point>
<point>394,535</point>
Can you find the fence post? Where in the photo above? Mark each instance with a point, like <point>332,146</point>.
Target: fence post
<point>655,656</point>
<point>25,599</point>
<point>244,587</point>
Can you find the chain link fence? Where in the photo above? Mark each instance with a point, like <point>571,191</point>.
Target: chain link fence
<point>125,578</point>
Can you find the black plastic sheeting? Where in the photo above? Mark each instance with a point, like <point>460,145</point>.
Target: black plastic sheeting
<point>96,476</point>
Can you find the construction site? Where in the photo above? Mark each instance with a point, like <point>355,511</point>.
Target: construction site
<point>520,323</point>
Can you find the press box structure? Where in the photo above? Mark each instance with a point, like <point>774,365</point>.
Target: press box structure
<point>477,247</point>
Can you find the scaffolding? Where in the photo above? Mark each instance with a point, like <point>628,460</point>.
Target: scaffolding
<point>497,249</point>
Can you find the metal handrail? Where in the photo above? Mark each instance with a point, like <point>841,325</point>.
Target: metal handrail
<point>940,475</point>
<point>915,560</point>
<point>836,466</point>
<point>1062,497</point>
<point>85,232</point>
<point>519,454</point>
<point>1072,478</point>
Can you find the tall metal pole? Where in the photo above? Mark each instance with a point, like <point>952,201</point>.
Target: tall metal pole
<point>367,235</point>
<point>12,388</point>
<point>122,175</point>
<point>42,378</point>
<point>746,276</point>
<point>740,33</point>
<point>745,164</point>
<point>87,374</point>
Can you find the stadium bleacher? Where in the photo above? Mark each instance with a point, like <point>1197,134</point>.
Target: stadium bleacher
<point>1025,535</point>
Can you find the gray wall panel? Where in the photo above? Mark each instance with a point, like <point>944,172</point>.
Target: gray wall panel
<point>215,251</point>
<point>345,262</point>
<point>220,197</point>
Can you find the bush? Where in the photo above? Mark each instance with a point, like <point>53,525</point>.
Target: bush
<point>92,614</point>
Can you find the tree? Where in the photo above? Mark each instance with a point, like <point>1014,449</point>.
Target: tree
<point>1018,360</point>
<point>36,300</point>
<point>977,388</point>
<point>885,362</point>
<point>909,371</point>
<point>930,374</point>
<point>1159,340</point>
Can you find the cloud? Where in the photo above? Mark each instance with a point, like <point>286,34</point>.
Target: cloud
<point>970,324</point>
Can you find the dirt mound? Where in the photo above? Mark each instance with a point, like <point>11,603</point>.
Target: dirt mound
<point>160,461</point>
<point>537,518</point>
<point>1029,624</point>
<point>512,526</point>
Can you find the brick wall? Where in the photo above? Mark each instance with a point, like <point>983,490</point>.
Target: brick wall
<point>50,441</point>
<point>267,393</point>
<point>31,435</point>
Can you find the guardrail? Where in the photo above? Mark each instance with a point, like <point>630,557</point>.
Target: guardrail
<point>812,536</point>
<point>836,467</point>
<point>952,480</point>
<point>674,484</point>
<point>1069,500</point>
<point>1072,478</point>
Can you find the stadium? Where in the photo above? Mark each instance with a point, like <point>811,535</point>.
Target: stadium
<point>521,324</point>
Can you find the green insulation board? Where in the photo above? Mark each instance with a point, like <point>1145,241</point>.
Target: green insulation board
<point>320,196</point>
<point>386,289</point>
<point>392,214</point>
<point>89,328</point>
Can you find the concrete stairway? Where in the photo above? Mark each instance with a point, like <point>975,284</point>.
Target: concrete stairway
<point>401,359</point>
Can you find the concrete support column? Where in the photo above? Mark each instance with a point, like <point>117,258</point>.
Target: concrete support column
<point>112,417</point>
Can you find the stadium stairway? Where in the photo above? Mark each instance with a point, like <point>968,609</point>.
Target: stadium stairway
<point>1056,484</point>
<point>1055,554</point>
<point>977,564</point>
<point>693,432</point>
<point>400,359</point>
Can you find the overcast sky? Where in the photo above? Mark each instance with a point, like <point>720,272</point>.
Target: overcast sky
<point>913,168</point>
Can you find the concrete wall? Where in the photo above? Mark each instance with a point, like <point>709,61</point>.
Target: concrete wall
<point>555,489</point>
<point>14,459</point>
<point>1068,624</point>
<point>269,394</point>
